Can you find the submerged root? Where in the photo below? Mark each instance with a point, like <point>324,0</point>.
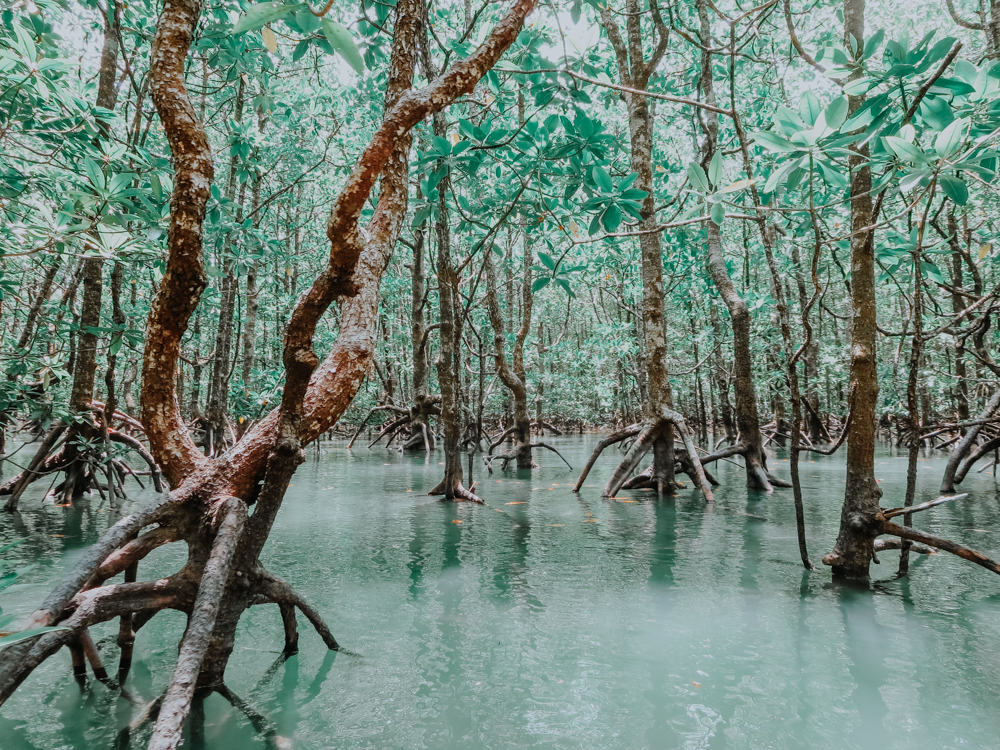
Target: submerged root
<point>209,586</point>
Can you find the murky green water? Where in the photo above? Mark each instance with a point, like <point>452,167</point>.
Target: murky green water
<point>556,620</point>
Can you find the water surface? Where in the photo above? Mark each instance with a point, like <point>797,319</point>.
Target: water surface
<point>555,620</point>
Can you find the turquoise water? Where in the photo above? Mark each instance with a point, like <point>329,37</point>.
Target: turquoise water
<point>555,620</point>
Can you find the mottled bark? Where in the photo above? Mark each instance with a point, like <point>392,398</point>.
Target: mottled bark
<point>185,278</point>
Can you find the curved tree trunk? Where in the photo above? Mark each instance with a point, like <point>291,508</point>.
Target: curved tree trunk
<point>223,575</point>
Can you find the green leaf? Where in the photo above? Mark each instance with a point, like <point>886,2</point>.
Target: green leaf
<point>809,108</point>
<point>774,142</point>
<point>612,218</point>
<point>860,86</point>
<point>780,175</point>
<point>261,14</point>
<point>540,283</point>
<point>697,177</point>
<point>715,168</point>
<point>931,271</point>
<point>954,85</point>
<point>547,261</point>
<point>873,43</point>
<point>936,112</point>
<point>603,180</point>
<point>966,71</point>
<point>718,214</point>
<point>342,41</point>
<point>955,188</point>
<point>306,21</point>
<point>836,112</point>
<point>442,145</point>
<point>564,283</point>
<point>904,150</point>
<point>94,173</point>
<point>951,138</point>
<point>300,50</point>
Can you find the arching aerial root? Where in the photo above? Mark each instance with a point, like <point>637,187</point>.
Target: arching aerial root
<point>50,458</point>
<point>646,434</point>
<point>80,601</point>
<point>384,407</point>
<point>516,451</point>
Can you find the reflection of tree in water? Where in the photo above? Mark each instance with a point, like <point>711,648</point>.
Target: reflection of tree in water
<point>662,558</point>
<point>867,645</point>
<point>510,572</point>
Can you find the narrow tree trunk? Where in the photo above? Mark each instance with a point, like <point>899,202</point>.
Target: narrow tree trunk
<point>912,402</point>
<point>449,357</point>
<point>853,552</point>
<point>85,364</point>
<point>747,419</point>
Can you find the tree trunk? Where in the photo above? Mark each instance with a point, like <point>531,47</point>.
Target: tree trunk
<point>634,71</point>
<point>216,415</point>
<point>449,361</point>
<point>223,575</point>
<point>424,404</point>
<point>78,477</point>
<point>747,419</point>
<point>853,551</point>
<point>512,375</point>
